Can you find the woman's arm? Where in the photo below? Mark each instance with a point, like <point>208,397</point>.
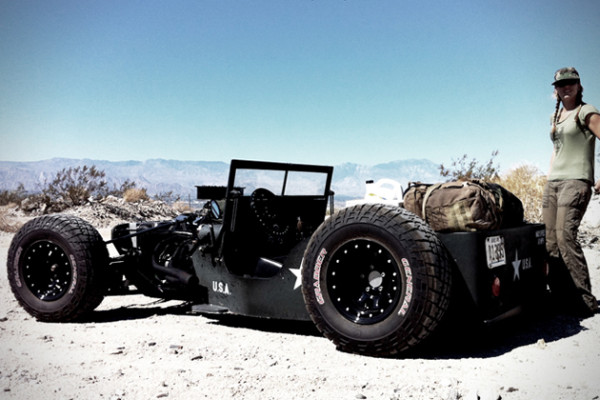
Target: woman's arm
<point>593,124</point>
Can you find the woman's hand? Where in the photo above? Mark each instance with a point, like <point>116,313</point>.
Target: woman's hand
<point>593,123</point>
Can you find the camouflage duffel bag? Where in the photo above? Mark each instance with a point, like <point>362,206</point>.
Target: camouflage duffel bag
<point>467,205</point>
<point>413,197</point>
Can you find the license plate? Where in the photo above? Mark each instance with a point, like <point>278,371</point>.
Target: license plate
<point>495,251</point>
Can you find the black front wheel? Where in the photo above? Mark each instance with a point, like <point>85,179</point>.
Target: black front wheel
<point>376,279</point>
<point>56,266</point>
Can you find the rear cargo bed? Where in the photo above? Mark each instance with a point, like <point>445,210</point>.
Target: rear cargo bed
<point>502,269</point>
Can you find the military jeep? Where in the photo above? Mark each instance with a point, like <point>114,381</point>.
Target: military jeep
<point>375,279</point>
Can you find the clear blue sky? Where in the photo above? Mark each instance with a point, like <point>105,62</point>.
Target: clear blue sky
<point>313,81</point>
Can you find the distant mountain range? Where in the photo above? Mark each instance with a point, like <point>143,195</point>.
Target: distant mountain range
<point>160,176</point>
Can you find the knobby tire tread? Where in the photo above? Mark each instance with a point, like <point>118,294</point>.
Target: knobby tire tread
<point>88,249</point>
<point>428,309</point>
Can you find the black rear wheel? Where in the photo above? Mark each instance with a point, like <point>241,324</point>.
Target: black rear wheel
<point>56,266</point>
<point>364,281</point>
<point>376,279</point>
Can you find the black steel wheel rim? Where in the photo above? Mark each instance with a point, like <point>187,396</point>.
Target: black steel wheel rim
<point>364,281</point>
<point>46,270</point>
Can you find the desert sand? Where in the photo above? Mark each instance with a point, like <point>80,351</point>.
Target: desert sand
<point>134,347</point>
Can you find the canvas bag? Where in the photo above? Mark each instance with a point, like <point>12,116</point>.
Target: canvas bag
<point>413,197</point>
<point>467,205</point>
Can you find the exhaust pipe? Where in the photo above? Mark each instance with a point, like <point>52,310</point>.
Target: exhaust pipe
<point>179,275</point>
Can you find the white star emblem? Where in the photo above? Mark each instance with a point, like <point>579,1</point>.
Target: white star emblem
<point>516,264</point>
<point>298,273</point>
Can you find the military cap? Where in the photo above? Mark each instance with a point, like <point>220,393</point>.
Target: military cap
<point>564,74</point>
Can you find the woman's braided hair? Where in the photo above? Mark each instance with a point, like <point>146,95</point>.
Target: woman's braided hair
<point>555,115</point>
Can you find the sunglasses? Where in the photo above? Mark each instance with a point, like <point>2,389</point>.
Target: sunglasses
<point>566,82</point>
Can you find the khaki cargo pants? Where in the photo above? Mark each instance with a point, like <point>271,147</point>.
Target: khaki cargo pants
<point>564,204</point>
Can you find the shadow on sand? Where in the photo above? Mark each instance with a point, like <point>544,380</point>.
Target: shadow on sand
<point>462,340</point>
<point>500,338</point>
<point>136,311</point>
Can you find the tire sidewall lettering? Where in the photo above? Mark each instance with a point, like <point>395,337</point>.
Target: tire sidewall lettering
<point>317,276</point>
<point>408,288</point>
<point>16,269</point>
<point>73,274</point>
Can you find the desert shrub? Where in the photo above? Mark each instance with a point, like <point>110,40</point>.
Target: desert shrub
<point>12,196</point>
<point>124,187</point>
<point>75,185</point>
<point>527,183</point>
<point>182,207</point>
<point>463,168</point>
<point>167,197</point>
<point>133,195</point>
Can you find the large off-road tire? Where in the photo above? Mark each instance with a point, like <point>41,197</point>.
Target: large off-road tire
<point>56,266</point>
<point>376,279</point>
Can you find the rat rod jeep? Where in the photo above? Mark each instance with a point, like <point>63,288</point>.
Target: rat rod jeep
<point>375,279</point>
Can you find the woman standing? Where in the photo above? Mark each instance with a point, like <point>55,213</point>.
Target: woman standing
<point>575,127</point>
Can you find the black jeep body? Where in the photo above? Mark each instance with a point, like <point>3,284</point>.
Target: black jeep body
<point>375,279</point>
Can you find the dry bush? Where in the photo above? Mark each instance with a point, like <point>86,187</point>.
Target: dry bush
<point>527,183</point>
<point>134,195</point>
<point>75,185</point>
<point>182,207</point>
<point>12,196</point>
<point>167,197</point>
<point>463,168</point>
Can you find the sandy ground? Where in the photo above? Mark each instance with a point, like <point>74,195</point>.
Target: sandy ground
<point>134,347</point>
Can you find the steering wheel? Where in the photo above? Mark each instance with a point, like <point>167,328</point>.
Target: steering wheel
<point>262,203</point>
